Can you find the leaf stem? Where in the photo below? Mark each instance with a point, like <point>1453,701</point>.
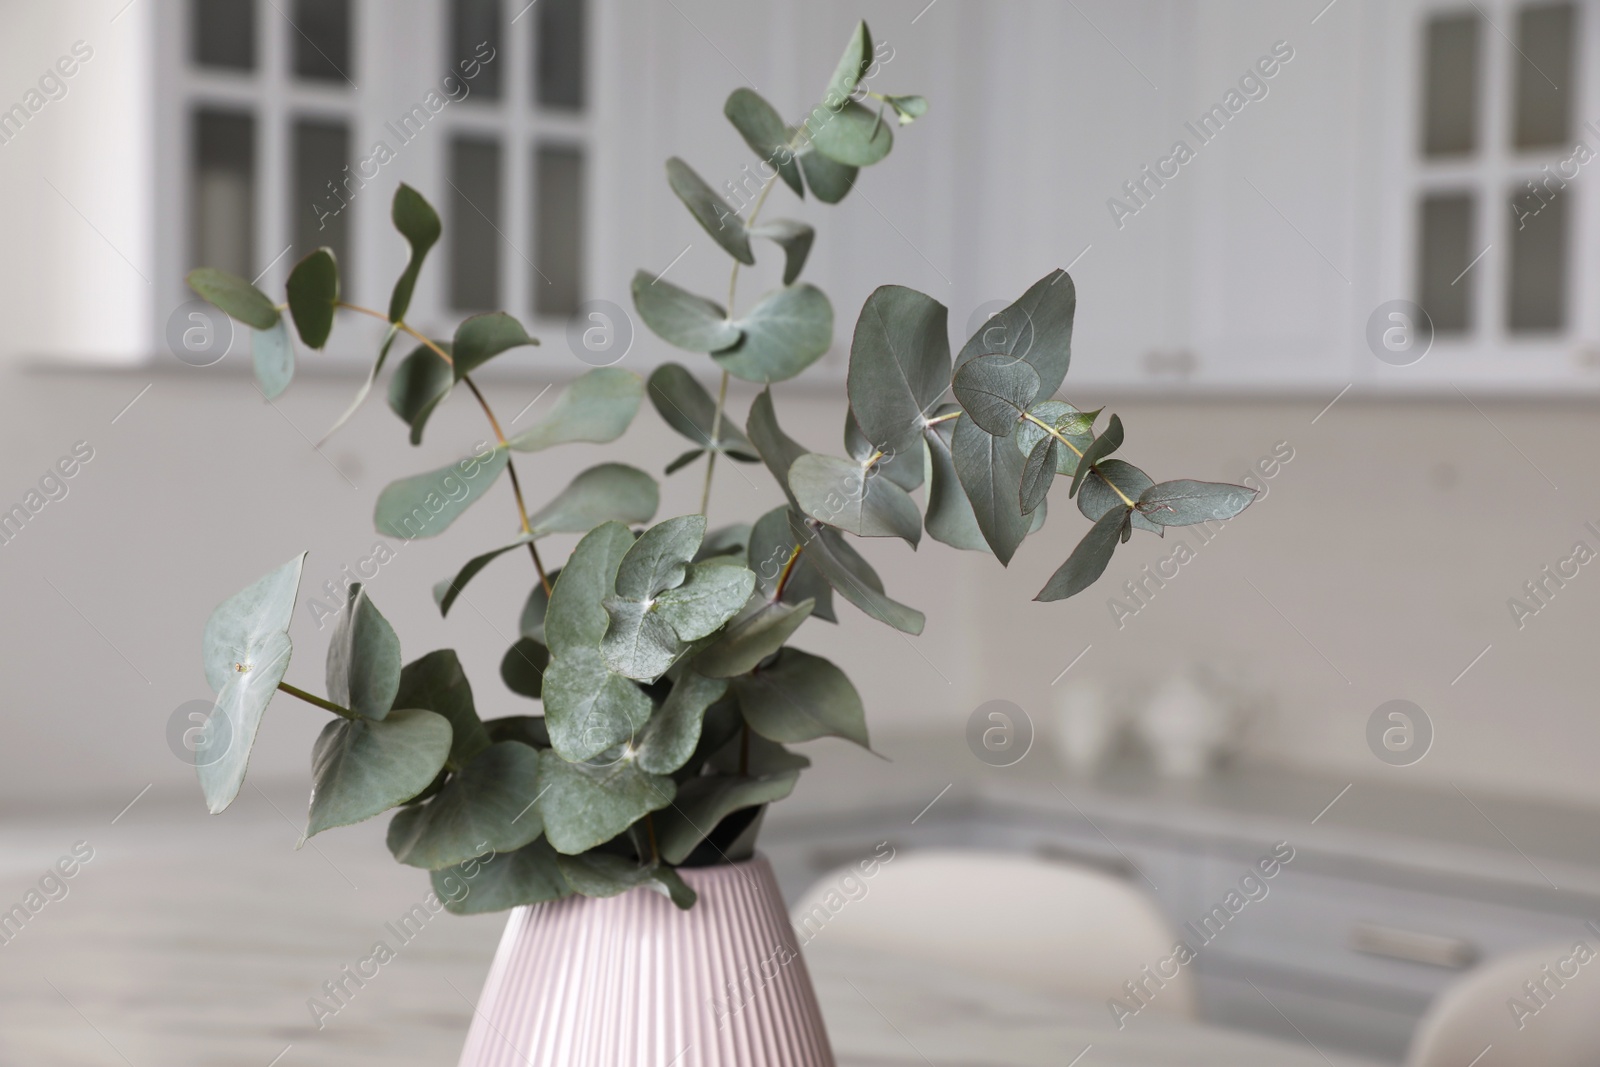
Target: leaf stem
<point>650,828</point>
<point>1059,436</point>
<point>311,698</point>
<point>787,573</point>
<point>403,327</point>
<point>716,436</point>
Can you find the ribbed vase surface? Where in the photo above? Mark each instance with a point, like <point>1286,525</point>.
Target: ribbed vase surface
<point>632,981</point>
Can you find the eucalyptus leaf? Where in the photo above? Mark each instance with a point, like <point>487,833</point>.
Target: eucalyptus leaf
<point>272,355</point>
<point>1037,328</point>
<point>641,643</point>
<point>772,543</point>
<point>419,224</point>
<point>907,109</point>
<point>778,450</point>
<point>363,671</point>
<point>902,467</point>
<point>482,337</point>
<point>575,619</point>
<point>1074,425</point>
<point>828,180</point>
<point>681,318</point>
<point>713,593</point>
<point>425,505</point>
<point>682,460</point>
<point>588,707</point>
<point>362,767</point>
<point>596,408</point>
<point>600,874</point>
<point>684,404</point>
<point>419,384</point>
<point>853,135</point>
<point>949,518</point>
<point>1038,472</point>
<point>856,581</point>
<point>852,65</point>
<point>659,559</point>
<point>234,297</point>
<point>764,131</point>
<point>446,590</point>
<point>704,802</point>
<point>531,622</point>
<point>1099,492</point>
<point>607,492</point>
<point>1185,502</point>
<point>246,652</point>
<point>786,332</point>
<point>853,497</point>
<point>522,667</point>
<point>750,754</point>
<point>588,804</point>
<point>527,730</point>
<point>673,732</point>
<point>366,387</point>
<point>795,238</point>
<point>313,292</point>
<point>1102,446</point>
<point>721,222</point>
<point>437,683</point>
<point>899,365</point>
<point>801,697</point>
<point>990,470</point>
<point>490,805</point>
<point>752,638</point>
<point>497,882</point>
<point>995,390</point>
<point>1089,560</point>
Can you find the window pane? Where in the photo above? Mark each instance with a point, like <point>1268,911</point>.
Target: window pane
<point>1545,36</point>
<point>1444,252</point>
<point>475,32</point>
<point>1537,295</point>
<point>224,192</point>
<point>224,33</point>
<point>321,39</point>
<point>319,211</point>
<point>475,224</point>
<point>1450,108</point>
<point>559,46</point>
<point>558,230</point>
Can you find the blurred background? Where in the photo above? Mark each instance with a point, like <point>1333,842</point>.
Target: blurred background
<point>1334,250</point>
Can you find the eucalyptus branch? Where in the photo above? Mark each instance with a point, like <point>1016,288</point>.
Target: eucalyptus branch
<point>1059,436</point>
<point>312,698</point>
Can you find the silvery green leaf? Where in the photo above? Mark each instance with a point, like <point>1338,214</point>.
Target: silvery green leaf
<point>498,882</point>
<point>575,619</point>
<point>607,492</point>
<point>601,874</point>
<point>363,671</point>
<point>246,652</point>
<point>522,667</point>
<point>854,579</point>
<point>418,386</point>
<point>686,406</point>
<point>777,449</point>
<point>1037,328</point>
<point>795,238</point>
<point>705,801</point>
<point>234,297</point>
<point>673,732</point>
<point>437,683</point>
<point>801,697</point>
<point>531,622</point>
<point>949,516</point>
<point>763,130</point>
<point>709,209</point>
<point>1184,502</point>
<point>596,408</point>
<point>711,594</point>
<point>786,332</point>
<point>903,468</point>
<point>852,65</point>
<point>425,505</point>
<point>990,470</point>
<point>446,590</point>
<point>1076,426</point>
<point>363,767</point>
<point>588,804</point>
<point>366,387</point>
<point>828,180</point>
<point>855,498</point>
<point>852,135</point>
<point>1089,560</point>
<point>482,337</point>
<point>589,707</point>
<point>772,543</point>
<point>489,806</point>
<point>751,638</point>
<point>755,756</point>
<point>640,643</point>
<point>1038,472</point>
<point>313,295</point>
<point>995,390</point>
<point>681,318</point>
<point>659,559</point>
<point>419,224</point>
<point>1102,446</point>
<point>907,109</point>
<point>1097,495</point>
<point>725,541</point>
<point>524,729</point>
<point>272,354</point>
<point>899,366</point>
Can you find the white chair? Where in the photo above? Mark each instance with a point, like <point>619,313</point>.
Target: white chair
<point>1491,1008</point>
<point>1039,924</point>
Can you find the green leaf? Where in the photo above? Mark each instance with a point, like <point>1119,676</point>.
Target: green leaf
<point>482,337</point>
<point>419,384</point>
<point>681,318</point>
<point>313,291</point>
<point>801,697</point>
<point>852,65</point>
<point>366,386</point>
<point>522,667</point>
<point>1185,503</point>
<point>363,671</point>
<point>531,622</point>
<point>588,707</point>
<point>1037,328</point>
<point>720,221</point>
<point>772,541</point>
<point>763,130</point>
<point>686,406</point>
<point>752,638</point>
<point>950,518</point>
<point>575,620</point>
<point>1096,496</point>
<point>786,332</point>
<point>907,109</point>
<point>246,651</point>
<point>446,590</point>
<point>995,391</point>
<point>853,135</point>
<point>903,468</point>
<point>659,559</point>
<point>1076,426</point>
<point>596,408</point>
<point>600,874</point>
<point>704,802</point>
<point>497,882</point>
<point>362,767</point>
<point>640,643</point>
<point>490,805</point>
<point>419,224</point>
<point>1089,560</point>
<point>713,593</point>
<point>437,683</point>
<point>673,732</point>
<point>1038,472</point>
<point>899,365</point>
<point>234,297</point>
<point>272,354</point>
<point>725,541</point>
<point>990,470</point>
<point>425,505</point>
<point>778,450</point>
<point>524,729</point>
<point>1099,449</point>
<point>759,757</point>
<point>795,238</point>
<point>606,492</point>
<point>588,804</point>
<point>683,460</point>
<point>855,498</point>
<point>855,580</point>
<point>828,180</point>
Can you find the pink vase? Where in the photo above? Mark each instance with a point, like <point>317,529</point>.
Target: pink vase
<point>632,981</point>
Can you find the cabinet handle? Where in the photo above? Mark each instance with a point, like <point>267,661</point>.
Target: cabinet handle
<point>1115,866</point>
<point>1451,952</point>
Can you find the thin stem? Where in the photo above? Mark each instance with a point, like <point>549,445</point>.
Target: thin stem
<point>650,828</point>
<point>937,419</point>
<point>312,698</point>
<point>1059,436</point>
<point>787,573</point>
<point>516,483</point>
<point>716,436</point>
<point>403,327</point>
